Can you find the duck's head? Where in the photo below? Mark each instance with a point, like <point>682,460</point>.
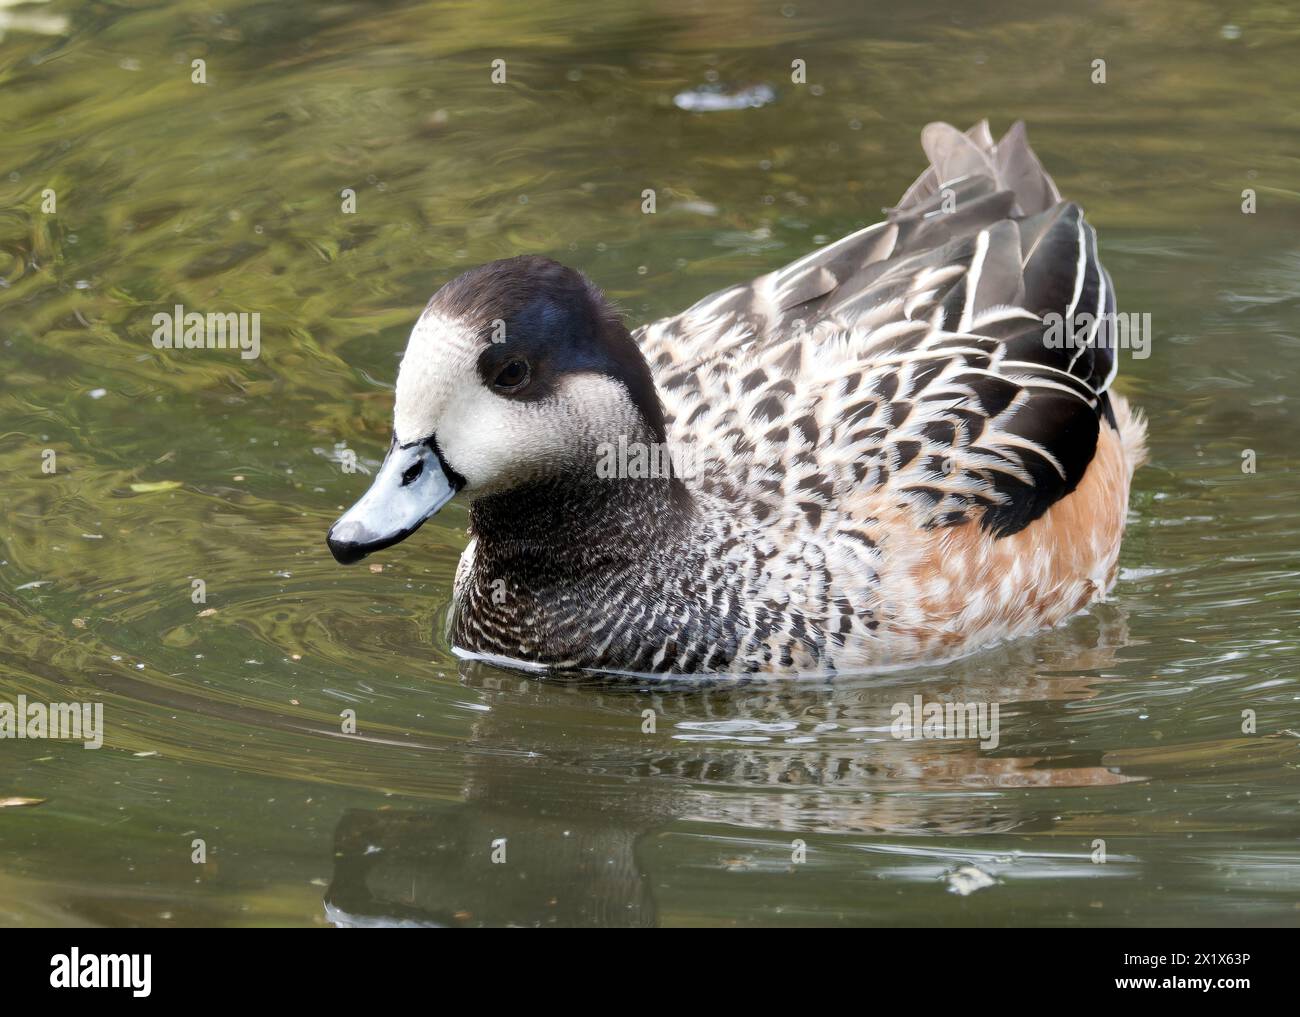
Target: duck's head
<point>516,372</point>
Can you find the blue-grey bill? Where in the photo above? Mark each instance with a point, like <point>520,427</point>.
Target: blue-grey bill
<point>410,486</point>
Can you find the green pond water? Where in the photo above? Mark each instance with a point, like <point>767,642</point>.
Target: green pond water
<point>1123,789</point>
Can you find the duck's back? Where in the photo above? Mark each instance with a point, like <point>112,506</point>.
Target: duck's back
<point>936,382</point>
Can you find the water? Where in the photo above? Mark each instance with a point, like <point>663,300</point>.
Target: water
<point>768,802</point>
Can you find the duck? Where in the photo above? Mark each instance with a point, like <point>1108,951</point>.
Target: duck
<point>878,456</point>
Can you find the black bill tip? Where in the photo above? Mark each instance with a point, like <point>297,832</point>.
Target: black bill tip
<point>349,543</point>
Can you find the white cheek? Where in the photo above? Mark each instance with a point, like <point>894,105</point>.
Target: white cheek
<point>496,443</point>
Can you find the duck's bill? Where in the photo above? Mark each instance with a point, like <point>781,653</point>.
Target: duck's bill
<point>411,485</point>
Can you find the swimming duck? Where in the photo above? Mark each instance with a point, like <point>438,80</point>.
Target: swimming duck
<point>877,456</point>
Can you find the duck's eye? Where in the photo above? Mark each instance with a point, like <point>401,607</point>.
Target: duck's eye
<point>513,376</point>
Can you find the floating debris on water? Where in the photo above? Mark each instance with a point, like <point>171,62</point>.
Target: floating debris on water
<point>39,24</point>
<point>714,98</point>
<point>967,879</point>
<point>155,485</point>
<point>697,207</point>
<point>16,802</point>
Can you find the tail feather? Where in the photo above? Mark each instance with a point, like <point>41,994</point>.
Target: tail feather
<point>1132,425</point>
<point>1010,164</point>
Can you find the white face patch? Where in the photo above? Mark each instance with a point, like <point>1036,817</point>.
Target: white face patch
<point>493,441</point>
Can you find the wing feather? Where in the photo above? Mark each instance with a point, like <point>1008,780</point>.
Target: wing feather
<point>912,360</point>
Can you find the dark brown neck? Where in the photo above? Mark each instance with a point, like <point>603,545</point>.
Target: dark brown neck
<point>554,561</point>
<point>562,518</point>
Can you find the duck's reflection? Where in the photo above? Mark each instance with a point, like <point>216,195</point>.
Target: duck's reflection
<point>549,830</point>
<point>478,865</point>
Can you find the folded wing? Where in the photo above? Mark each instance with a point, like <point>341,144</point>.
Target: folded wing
<point>954,357</point>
